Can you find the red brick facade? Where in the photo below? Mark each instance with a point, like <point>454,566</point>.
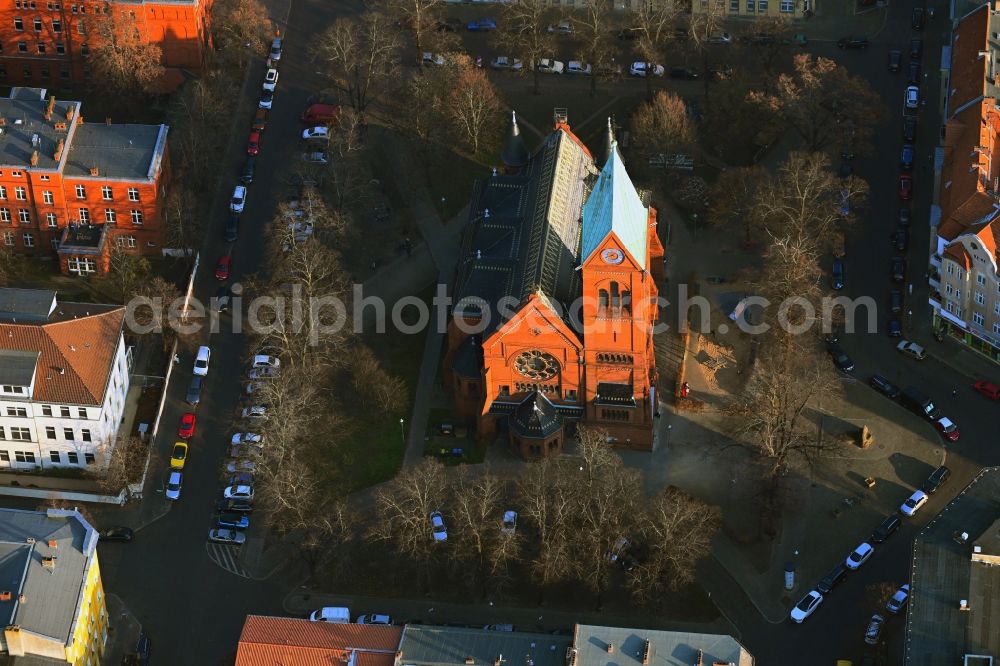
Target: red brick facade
<point>111,176</point>
<point>47,43</point>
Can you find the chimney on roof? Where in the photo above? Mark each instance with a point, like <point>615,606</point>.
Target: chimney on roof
<point>34,158</point>
<point>3,121</point>
<point>610,648</point>
<point>50,107</point>
<point>982,54</point>
<point>59,126</point>
<point>61,371</point>
<point>469,661</point>
<point>21,599</point>
<point>49,562</point>
<point>69,112</point>
<point>59,148</point>
<point>94,171</point>
<point>30,541</point>
<point>5,595</point>
<point>53,543</point>
<point>963,604</point>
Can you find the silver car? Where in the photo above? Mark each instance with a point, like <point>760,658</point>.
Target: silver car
<point>226,535</point>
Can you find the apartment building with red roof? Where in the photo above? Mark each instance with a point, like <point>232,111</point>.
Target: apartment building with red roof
<point>64,375</point>
<point>963,276</point>
<point>285,641</point>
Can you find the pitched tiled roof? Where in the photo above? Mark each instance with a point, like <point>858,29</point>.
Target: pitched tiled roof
<point>80,339</point>
<point>989,235</point>
<point>968,69</point>
<point>957,253</point>
<point>284,641</point>
<point>964,193</point>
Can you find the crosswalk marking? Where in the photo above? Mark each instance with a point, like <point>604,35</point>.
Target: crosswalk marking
<point>227,557</point>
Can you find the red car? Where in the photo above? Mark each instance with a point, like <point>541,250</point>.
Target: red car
<point>222,268</point>
<point>186,428</point>
<point>989,389</point>
<point>905,187</point>
<point>253,143</point>
<point>947,428</point>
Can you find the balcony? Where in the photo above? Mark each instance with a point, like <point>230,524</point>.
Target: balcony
<point>936,261</point>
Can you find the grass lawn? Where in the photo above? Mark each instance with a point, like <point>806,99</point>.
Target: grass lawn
<point>379,441</point>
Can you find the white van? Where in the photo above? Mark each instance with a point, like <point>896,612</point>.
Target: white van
<point>335,614</point>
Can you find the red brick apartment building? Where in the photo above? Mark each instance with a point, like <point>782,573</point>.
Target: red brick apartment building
<point>42,41</point>
<point>76,190</point>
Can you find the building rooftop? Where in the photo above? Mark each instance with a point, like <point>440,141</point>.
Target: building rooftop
<point>453,646</point>
<point>665,648</point>
<point>126,152</point>
<point>26,304</point>
<point>82,238</point>
<point>51,595</point>
<point>17,367</point>
<point>938,632</point>
<point>76,347</point>
<point>283,641</point>
<point>26,129</point>
<point>614,207</point>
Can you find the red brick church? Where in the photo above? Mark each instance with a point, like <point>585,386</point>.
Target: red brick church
<point>555,298</point>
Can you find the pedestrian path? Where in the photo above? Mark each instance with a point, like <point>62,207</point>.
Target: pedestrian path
<point>227,557</point>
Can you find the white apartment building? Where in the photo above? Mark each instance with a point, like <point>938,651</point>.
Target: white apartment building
<point>64,375</point>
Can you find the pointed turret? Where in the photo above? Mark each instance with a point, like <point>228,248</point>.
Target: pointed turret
<point>609,142</point>
<point>515,153</point>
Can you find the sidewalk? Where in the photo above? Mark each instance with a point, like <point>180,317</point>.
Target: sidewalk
<point>123,631</point>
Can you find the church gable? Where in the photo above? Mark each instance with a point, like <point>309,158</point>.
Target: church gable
<point>537,323</point>
<point>612,254</point>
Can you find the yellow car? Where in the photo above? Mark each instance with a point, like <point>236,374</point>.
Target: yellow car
<point>179,455</point>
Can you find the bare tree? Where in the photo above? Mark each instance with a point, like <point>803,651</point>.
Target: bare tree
<point>656,25</point>
<point>421,18</point>
<point>164,297</point>
<point>477,511</point>
<point>403,511</point>
<point>733,197</point>
<point>771,40</point>
<point>244,22</point>
<point>198,117</point>
<point>596,45</point>
<point>663,126</point>
<point>374,383</point>
<point>358,56</point>
<point>11,265</point>
<point>547,496</point>
<point>475,105</point>
<point>819,99</point>
<point>677,530</point>
<point>121,58</point>
<point>347,178</point>
<point>127,271</point>
<point>705,25</point>
<point>182,223</point>
<point>732,125</point>
<point>526,36</point>
<point>126,459</point>
<point>423,109</point>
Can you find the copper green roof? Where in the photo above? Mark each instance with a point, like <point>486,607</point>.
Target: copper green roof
<point>615,206</point>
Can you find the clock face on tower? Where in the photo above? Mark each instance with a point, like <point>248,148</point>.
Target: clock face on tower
<point>612,256</point>
<point>536,364</point>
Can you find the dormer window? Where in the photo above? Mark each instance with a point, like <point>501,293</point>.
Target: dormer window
<point>8,389</point>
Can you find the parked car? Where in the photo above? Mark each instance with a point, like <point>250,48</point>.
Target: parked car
<point>859,555</point>
<point>194,391</point>
<point>837,274</point>
<point>948,429</point>
<point>898,269</point>
<point>504,63</point>
<point>916,48</point>
<point>905,187</point>
<point>233,505</point>
<point>917,16</point>
<point>185,430</point>
<point>317,157</point>
<point>223,267</point>
<point>806,606</point>
<point>894,327</point>
<point>174,483</point>
<point>239,199</point>
<point>319,133</point>
<point>911,98</point>
<point>440,531</point>
<point>266,99</point>
<point>642,68</point>
<point>333,614</point>
<point>852,43</point>
<point>548,66</point>
<point>896,301</point>
<point>885,529</point>
<point>910,128</point>
<point>223,535</point>
<point>374,618</point>
<point>906,157</point>
<point>683,73</point>
<point>895,60</point>
<point>178,456</point>
<point>232,228</point>
<point>884,386</point>
<point>238,492</point>
<point>561,28</point>
<point>720,38</point>
<point>253,142</point>
<point>247,438</point>
<point>898,600</point>
<point>265,361</point>
<point>911,349</point>
<point>262,373</point>
<point>577,67</point>
<point>254,412</point>
<point>259,123</point>
<point>900,240</point>
<point>238,466</point>
<point>840,357</point>
<point>201,361</point>
<point>936,479</point>
<point>434,59</point>
<point>509,524</point>
<point>245,450</point>
<point>233,520</point>
<point>874,629</point>
<point>913,503</point>
<point>481,25</point>
<point>249,169</point>
<point>275,53</point>
<point>832,579</point>
<point>117,534</point>
<point>988,389</point>
<point>913,73</point>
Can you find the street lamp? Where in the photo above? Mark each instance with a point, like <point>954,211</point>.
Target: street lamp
<point>402,432</point>
<point>669,428</point>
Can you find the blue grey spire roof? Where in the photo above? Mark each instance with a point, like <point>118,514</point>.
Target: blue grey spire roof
<point>615,206</point>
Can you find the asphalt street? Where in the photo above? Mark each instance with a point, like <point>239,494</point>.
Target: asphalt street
<point>192,599</point>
